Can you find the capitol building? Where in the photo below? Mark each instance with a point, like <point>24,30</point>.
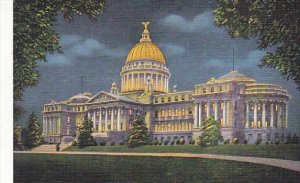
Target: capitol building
<point>244,108</point>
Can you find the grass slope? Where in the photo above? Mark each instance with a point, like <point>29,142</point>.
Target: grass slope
<point>290,152</point>
<point>88,168</point>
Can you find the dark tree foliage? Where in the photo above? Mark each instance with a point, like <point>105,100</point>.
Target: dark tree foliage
<point>85,138</point>
<point>211,132</point>
<point>273,23</point>
<point>139,134</point>
<point>17,137</point>
<point>32,135</point>
<point>34,37</point>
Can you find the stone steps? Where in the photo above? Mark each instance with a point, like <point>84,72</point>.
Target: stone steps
<point>45,148</point>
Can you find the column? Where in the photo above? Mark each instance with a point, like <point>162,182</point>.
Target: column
<point>119,119</point>
<point>207,110</point>
<point>247,114</point>
<point>255,114</point>
<point>100,120</point>
<point>196,114</point>
<point>264,115</point>
<point>165,86</point>
<point>216,111</point>
<point>112,119</point>
<point>58,125</point>
<point>286,115</point>
<point>106,116</point>
<point>89,115</point>
<point>50,125</point>
<point>132,82</point>
<point>272,115</point>
<point>224,113</point>
<point>200,114</point>
<point>46,127</point>
<point>94,121</point>
<point>156,82</point>
<point>144,84</point>
<point>279,115</point>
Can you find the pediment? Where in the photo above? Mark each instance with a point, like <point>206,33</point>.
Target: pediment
<point>102,97</point>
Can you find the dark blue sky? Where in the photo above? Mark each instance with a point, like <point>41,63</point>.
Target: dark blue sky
<point>195,49</point>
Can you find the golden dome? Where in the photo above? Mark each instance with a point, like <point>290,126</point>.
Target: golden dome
<point>145,49</point>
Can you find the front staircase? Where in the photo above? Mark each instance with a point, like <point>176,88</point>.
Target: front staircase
<point>45,148</point>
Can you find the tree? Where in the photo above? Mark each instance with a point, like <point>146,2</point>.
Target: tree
<point>34,37</point>
<point>85,138</point>
<point>211,132</point>
<point>32,135</point>
<point>139,134</point>
<point>273,23</point>
<point>17,137</point>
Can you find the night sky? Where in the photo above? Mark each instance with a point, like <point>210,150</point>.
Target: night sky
<point>195,50</point>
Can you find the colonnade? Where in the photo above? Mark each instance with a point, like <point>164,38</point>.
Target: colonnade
<point>103,124</point>
<point>219,110</point>
<point>51,125</point>
<point>275,116</point>
<point>137,81</point>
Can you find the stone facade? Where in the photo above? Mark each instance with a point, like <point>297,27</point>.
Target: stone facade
<point>244,108</point>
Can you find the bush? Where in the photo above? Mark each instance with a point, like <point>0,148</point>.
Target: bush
<point>160,143</point>
<point>166,142</point>
<point>112,143</point>
<point>192,141</point>
<point>277,141</point>
<point>178,142</point>
<point>94,143</point>
<point>267,143</point>
<point>182,142</point>
<point>226,141</point>
<point>155,142</point>
<point>245,141</point>
<point>122,143</point>
<point>172,142</point>
<point>74,143</point>
<point>57,147</point>
<point>102,143</point>
<point>235,141</point>
<point>258,141</point>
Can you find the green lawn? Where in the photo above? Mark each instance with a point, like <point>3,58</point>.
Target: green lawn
<point>291,152</point>
<point>89,168</point>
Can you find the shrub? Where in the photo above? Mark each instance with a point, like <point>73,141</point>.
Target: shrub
<point>94,143</point>
<point>160,143</point>
<point>267,143</point>
<point>258,141</point>
<point>155,142</point>
<point>57,147</point>
<point>166,142</point>
<point>122,143</point>
<point>172,142</point>
<point>235,141</point>
<point>112,143</point>
<point>192,141</point>
<point>277,141</point>
<point>182,142</point>
<point>226,141</point>
<point>178,142</point>
<point>74,143</point>
<point>102,143</point>
<point>245,141</point>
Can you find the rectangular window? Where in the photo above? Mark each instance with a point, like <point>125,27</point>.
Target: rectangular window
<point>162,100</point>
<point>259,136</point>
<point>203,90</point>
<point>176,112</point>
<point>176,127</point>
<point>182,97</point>
<point>182,126</point>
<point>162,113</point>
<point>156,128</point>
<point>156,113</point>
<point>169,99</point>
<point>212,89</point>
<point>176,98</point>
<point>190,111</point>
<point>169,112</point>
<point>190,96</point>
<point>258,107</point>
<point>156,100</point>
<point>220,88</point>
<point>250,136</point>
<point>190,126</point>
<point>162,127</point>
<point>183,112</point>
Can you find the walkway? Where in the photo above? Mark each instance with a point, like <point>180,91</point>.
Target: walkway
<point>287,164</point>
